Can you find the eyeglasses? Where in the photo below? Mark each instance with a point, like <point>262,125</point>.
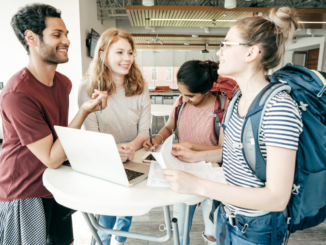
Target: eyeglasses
<point>233,43</point>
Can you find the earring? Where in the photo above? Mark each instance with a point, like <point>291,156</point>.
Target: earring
<point>247,60</point>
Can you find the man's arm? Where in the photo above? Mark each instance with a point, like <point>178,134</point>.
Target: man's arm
<point>51,153</point>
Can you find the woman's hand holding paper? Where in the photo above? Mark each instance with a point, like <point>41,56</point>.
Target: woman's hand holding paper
<point>180,181</point>
<point>184,154</point>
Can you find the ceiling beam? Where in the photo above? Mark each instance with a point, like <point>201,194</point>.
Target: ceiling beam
<point>112,8</point>
<point>174,35</point>
<point>209,8</point>
<point>178,44</point>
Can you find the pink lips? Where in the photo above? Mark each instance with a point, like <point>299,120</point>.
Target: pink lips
<point>126,67</point>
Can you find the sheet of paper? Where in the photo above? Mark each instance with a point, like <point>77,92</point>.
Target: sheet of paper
<point>156,179</point>
<point>155,176</point>
<point>167,160</point>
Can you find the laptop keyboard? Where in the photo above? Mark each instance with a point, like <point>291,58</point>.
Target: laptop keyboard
<point>131,174</point>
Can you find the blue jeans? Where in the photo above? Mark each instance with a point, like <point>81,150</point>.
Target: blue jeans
<point>179,211</point>
<point>123,224</point>
<point>257,233</point>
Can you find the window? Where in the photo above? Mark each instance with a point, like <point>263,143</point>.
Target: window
<point>169,73</point>
<point>159,76</point>
<point>154,73</point>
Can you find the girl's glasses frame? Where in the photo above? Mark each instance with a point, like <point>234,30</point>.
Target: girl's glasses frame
<point>233,43</point>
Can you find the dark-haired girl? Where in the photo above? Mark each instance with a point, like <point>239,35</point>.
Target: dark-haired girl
<point>195,80</point>
<point>252,47</point>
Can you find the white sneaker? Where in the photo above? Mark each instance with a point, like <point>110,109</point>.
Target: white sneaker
<point>115,242</point>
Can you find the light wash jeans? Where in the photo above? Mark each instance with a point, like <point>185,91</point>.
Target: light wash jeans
<point>123,224</point>
<point>179,211</point>
<point>259,229</point>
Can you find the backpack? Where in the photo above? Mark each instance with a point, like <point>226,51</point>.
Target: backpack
<point>307,205</point>
<point>223,89</point>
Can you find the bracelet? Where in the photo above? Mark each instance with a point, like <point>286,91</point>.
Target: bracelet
<point>161,137</point>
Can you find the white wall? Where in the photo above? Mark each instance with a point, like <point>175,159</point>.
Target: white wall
<point>14,57</point>
<point>88,20</point>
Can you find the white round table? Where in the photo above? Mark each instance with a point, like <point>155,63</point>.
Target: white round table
<point>160,110</point>
<point>95,196</point>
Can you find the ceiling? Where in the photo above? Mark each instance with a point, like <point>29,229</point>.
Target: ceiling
<point>145,41</point>
<point>205,14</point>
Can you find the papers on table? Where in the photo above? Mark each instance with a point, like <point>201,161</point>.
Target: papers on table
<point>156,179</point>
<point>155,176</point>
<point>165,160</point>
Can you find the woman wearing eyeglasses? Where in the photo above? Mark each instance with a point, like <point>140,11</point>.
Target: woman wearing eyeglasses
<point>252,47</point>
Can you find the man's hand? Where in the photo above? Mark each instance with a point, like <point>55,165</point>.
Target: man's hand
<point>97,98</point>
<point>127,151</point>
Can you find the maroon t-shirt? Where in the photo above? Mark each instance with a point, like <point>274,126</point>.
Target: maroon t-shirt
<point>29,110</point>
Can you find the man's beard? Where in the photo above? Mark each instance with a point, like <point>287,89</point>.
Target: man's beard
<point>49,54</point>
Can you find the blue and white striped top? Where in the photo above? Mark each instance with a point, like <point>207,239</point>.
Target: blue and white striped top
<point>281,127</point>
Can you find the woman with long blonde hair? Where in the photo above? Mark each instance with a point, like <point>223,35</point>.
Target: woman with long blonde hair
<point>127,116</point>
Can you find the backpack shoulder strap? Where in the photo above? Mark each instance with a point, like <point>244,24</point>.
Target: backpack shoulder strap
<point>177,112</point>
<point>218,115</point>
<point>252,127</point>
<point>230,108</point>
<point>179,116</point>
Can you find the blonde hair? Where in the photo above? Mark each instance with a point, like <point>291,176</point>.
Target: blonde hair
<point>99,69</point>
<point>270,33</point>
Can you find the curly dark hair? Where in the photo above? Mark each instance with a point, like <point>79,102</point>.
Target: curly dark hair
<point>198,76</point>
<point>32,17</point>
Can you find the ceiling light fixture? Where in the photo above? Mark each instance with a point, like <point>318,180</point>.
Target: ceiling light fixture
<point>230,4</point>
<point>148,3</point>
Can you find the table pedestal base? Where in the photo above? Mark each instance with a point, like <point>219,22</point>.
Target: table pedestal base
<point>94,226</point>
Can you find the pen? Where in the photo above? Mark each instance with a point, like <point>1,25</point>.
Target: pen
<point>150,136</point>
<point>99,88</point>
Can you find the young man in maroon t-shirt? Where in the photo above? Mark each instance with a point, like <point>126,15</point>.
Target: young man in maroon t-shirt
<point>34,100</point>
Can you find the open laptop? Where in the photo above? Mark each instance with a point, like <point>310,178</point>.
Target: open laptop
<point>96,154</point>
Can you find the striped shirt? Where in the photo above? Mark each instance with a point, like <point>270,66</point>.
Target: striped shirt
<point>281,127</point>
